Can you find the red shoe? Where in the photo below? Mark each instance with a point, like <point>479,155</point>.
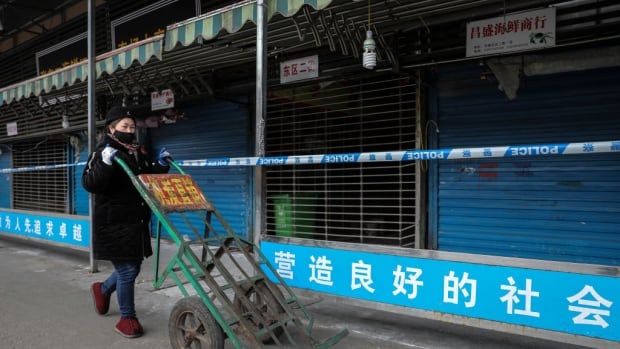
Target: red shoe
<point>129,327</point>
<point>102,301</point>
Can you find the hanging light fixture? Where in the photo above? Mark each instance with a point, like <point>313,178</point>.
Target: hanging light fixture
<point>65,121</point>
<point>369,54</point>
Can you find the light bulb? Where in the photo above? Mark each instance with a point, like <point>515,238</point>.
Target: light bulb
<point>370,51</point>
<point>65,121</point>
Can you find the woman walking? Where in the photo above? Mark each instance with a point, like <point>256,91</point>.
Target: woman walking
<point>121,219</point>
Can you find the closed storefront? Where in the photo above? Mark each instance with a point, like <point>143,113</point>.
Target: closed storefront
<point>40,190</point>
<point>5,178</point>
<point>564,208</point>
<point>80,195</point>
<point>213,130</point>
<point>369,203</point>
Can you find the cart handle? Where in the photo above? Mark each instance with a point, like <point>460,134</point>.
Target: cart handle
<point>175,165</point>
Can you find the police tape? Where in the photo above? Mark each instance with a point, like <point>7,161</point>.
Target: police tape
<point>403,155</point>
<point>40,168</point>
<point>413,155</point>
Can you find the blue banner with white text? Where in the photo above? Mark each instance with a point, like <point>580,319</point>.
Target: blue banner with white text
<point>66,230</point>
<point>579,304</point>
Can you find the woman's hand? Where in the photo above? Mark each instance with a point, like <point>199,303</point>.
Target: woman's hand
<point>164,157</point>
<point>107,155</point>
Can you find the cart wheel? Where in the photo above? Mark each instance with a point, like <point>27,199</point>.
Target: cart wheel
<point>191,325</point>
<point>267,305</point>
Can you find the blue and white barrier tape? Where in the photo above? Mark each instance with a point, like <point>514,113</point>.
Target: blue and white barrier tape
<point>405,155</point>
<point>412,155</point>
<point>40,168</point>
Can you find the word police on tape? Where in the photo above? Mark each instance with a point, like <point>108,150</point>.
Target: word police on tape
<point>401,155</point>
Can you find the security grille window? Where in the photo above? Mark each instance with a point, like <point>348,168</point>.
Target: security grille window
<point>40,190</point>
<point>371,203</point>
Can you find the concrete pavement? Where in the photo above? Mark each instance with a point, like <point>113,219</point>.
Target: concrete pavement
<point>45,303</point>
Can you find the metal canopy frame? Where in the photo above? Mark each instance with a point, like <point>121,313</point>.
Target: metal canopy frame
<point>34,20</point>
<point>407,32</point>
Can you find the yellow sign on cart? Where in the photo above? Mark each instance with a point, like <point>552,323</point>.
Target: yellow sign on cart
<point>175,192</point>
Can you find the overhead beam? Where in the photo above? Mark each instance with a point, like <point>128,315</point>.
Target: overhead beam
<point>28,30</point>
<point>30,7</point>
<point>37,24</point>
<point>67,10</point>
<point>44,16</point>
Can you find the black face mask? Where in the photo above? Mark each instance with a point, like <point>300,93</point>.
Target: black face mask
<point>124,137</point>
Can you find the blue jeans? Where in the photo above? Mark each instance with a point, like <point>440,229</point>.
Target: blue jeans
<point>122,280</point>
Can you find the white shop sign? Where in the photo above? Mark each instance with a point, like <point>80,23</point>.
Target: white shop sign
<point>513,32</point>
<point>11,129</point>
<point>162,100</point>
<point>299,69</point>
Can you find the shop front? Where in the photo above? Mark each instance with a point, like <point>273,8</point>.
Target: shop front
<point>447,182</point>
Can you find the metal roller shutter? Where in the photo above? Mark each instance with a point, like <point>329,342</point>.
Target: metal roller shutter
<point>80,195</point>
<point>218,129</point>
<point>5,179</point>
<point>371,203</point>
<point>40,190</point>
<point>559,208</point>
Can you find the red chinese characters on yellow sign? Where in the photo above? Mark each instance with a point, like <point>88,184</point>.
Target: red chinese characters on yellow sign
<point>175,192</point>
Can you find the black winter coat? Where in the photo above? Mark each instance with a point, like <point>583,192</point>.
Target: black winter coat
<point>121,221</point>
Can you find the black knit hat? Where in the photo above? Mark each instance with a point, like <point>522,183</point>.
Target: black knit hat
<point>117,112</point>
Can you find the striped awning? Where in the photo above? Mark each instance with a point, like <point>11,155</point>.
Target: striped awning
<point>141,51</point>
<point>231,19</point>
<point>109,62</point>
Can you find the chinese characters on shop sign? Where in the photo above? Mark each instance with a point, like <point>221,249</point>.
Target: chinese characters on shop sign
<point>162,100</point>
<point>583,305</point>
<point>299,69</point>
<point>513,32</point>
<point>135,39</point>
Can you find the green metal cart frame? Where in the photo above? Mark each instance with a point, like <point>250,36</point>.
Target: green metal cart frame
<point>247,307</point>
